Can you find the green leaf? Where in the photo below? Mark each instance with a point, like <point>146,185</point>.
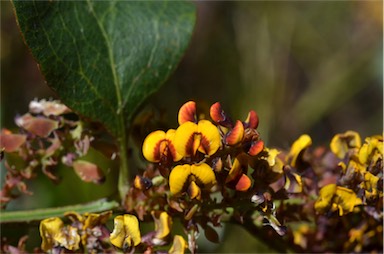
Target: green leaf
<point>104,58</point>
<point>40,214</point>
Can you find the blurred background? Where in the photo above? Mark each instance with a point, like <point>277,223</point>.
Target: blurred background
<point>312,67</point>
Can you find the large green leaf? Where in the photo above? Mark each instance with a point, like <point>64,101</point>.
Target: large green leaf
<point>104,58</point>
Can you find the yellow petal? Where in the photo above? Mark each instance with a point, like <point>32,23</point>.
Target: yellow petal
<point>94,219</point>
<point>170,136</point>
<point>50,229</point>
<point>211,141</point>
<point>303,142</point>
<point>342,143</point>
<point>325,198</point>
<point>163,224</point>
<point>178,177</point>
<point>293,183</point>
<point>194,191</point>
<point>70,239</point>
<point>346,200</point>
<point>178,246</point>
<point>368,149</point>
<point>204,174</point>
<point>151,145</point>
<point>184,139</point>
<point>239,164</point>
<point>126,232</point>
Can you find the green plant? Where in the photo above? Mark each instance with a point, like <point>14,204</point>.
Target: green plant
<point>104,59</point>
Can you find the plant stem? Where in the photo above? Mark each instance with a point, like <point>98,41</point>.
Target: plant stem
<point>124,176</point>
<point>40,214</point>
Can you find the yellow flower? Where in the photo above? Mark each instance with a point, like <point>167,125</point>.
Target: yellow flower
<point>372,149</point>
<point>299,235</point>
<point>298,147</point>
<point>370,185</point>
<point>159,146</point>
<point>54,233</point>
<point>336,198</point>
<point>344,142</point>
<point>88,221</point>
<point>189,177</point>
<point>179,245</point>
<point>126,232</point>
<point>191,137</point>
<point>236,178</point>
<point>163,224</point>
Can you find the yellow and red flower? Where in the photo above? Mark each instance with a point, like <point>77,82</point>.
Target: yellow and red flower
<point>191,137</point>
<point>191,178</point>
<point>159,146</point>
<point>126,233</point>
<point>237,178</point>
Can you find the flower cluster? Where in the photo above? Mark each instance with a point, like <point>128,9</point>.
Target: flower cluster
<point>89,233</point>
<point>210,171</point>
<point>218,164</point>
<point>223,166</point>
<point>193,153</point>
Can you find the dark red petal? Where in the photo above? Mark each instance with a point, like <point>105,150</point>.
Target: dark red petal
<point>217,113</point>
<point>252,120</point>
<point>244,183</point>
<point>187,113</point>
<point>256,148</point>
<point>235,135</point>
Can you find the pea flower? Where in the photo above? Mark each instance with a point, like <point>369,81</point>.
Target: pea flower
<point>126,232</point>
<point>297,149</point>
<point>191,178</point>
<point>344,142</point>
<point>238,133</point>
<point>179,245</point>
<point>191,137</point>
<point>54,234</point>
<point>236,178</point>
<point>371,150</point>
<point>159,146</point>
<point>336,198</point>
<point>163,224</point>
<point>370,185</point>
<point>91,225</point>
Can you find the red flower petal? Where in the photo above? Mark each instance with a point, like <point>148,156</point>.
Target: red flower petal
<point>252,120</point>
<point>256,148</point>
<point>235,135</point>
<point>218,115</point>
<point>244,183</point>
<point>187,113</point>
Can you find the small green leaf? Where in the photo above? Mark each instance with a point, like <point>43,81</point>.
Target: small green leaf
<point>104,58</point>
